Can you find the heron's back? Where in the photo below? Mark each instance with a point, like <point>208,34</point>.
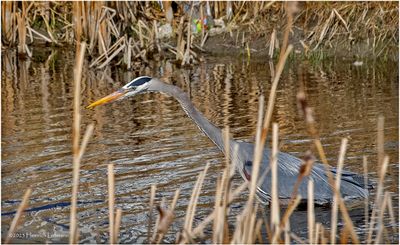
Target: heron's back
<point>352,185</point>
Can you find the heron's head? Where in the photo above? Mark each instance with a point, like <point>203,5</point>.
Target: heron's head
<point>136,86</point>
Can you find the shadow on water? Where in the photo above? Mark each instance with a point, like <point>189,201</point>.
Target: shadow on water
<point>151,141</point>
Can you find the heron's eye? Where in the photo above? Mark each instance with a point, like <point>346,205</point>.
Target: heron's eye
<point>248,164</point>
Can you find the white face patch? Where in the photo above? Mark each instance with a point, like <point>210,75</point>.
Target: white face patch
<point>137,85</point>
<point>138,89</point>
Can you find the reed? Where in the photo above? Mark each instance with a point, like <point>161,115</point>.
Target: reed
<point>21,34</point>
<point>310,211</point>
<point>8,22</point>
<point>111,201</point>
<point>306,112</point>
<point>102,23</point>
<point>17,217</point>
<point>337,186</point>
<point>165,220</point>
<point>193,202</point>
<point>274,179</point>
<point>380,224</point>
<point>75,139</point>
<point>378,197</point>
<point>151,206</point>
<point>383,162</point>
<point>118,216</point>
<point>366,203</point>
<point>166,217</point>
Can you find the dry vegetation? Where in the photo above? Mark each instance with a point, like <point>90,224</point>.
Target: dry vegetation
<point>106,30</point>
<point>129,33</point>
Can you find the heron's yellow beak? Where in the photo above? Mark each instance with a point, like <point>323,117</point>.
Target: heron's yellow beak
<point>109,98</point>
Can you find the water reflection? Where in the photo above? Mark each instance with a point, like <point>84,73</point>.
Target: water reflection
<point>151,141</point>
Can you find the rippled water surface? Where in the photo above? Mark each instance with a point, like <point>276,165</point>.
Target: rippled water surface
<point>151,141</point>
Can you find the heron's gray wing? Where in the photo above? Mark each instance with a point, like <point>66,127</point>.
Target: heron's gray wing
<point>288,175</point>
<point>288,171</point>
<point>354,178</point>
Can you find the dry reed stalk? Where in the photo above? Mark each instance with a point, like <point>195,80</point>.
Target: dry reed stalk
<point>251,233</point>
<point>102,45</point>
<point>80,53</point>
<point>317,231</point>
<point>185,59</point>
<point>191,209</point>
<point>111,201</point>
<point>48,29</point>
<point>180,45</point>
<point>203,40</point>
<point>296,238</point>
<point>257,153</point>
<point>286,232</point>
<point>140,35</point>
<point>290,9</point>
<point>272,44</point>
<point>393,222</point>
<point>201,20</point>
<point>381,140</point>
<point>366,203</point>
<point>378,203</point>
<point>39,34</point>
<point>245,233</point>
<point>21,33</point>
<point>344,235</point>
<point>166,218</point>
<point>244,223</point>
<point>85,140</point>
<point>322,237</point>
<point>118,216</point>
<point>156,36</point>
<point>217,238</point>
<point>77,10</point>
<point>17,217</point>
<point>380,224</point>
<point>261,137</point>
<point>310,211</point>
<point>152,196</point>
<point>220,229</point>
<point>271,98</point>
<point>116,52</point>
<point>199,229</point>
<point>163,221</point>
<point>285,219</point>
<point>307,113</point>
<point>7,21</point>
<point>258,232</point>
<point>113,48</point>
<point>274,178</point>
<point>337,186</point>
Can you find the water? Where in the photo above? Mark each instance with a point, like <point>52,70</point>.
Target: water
<point>151,140</point>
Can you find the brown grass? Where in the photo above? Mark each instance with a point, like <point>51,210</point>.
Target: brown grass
<point>102,24</point>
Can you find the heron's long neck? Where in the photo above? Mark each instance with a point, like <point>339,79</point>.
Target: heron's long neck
<point>206,126</point>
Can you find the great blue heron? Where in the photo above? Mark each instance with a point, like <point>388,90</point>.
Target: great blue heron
<point>352,186</point>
